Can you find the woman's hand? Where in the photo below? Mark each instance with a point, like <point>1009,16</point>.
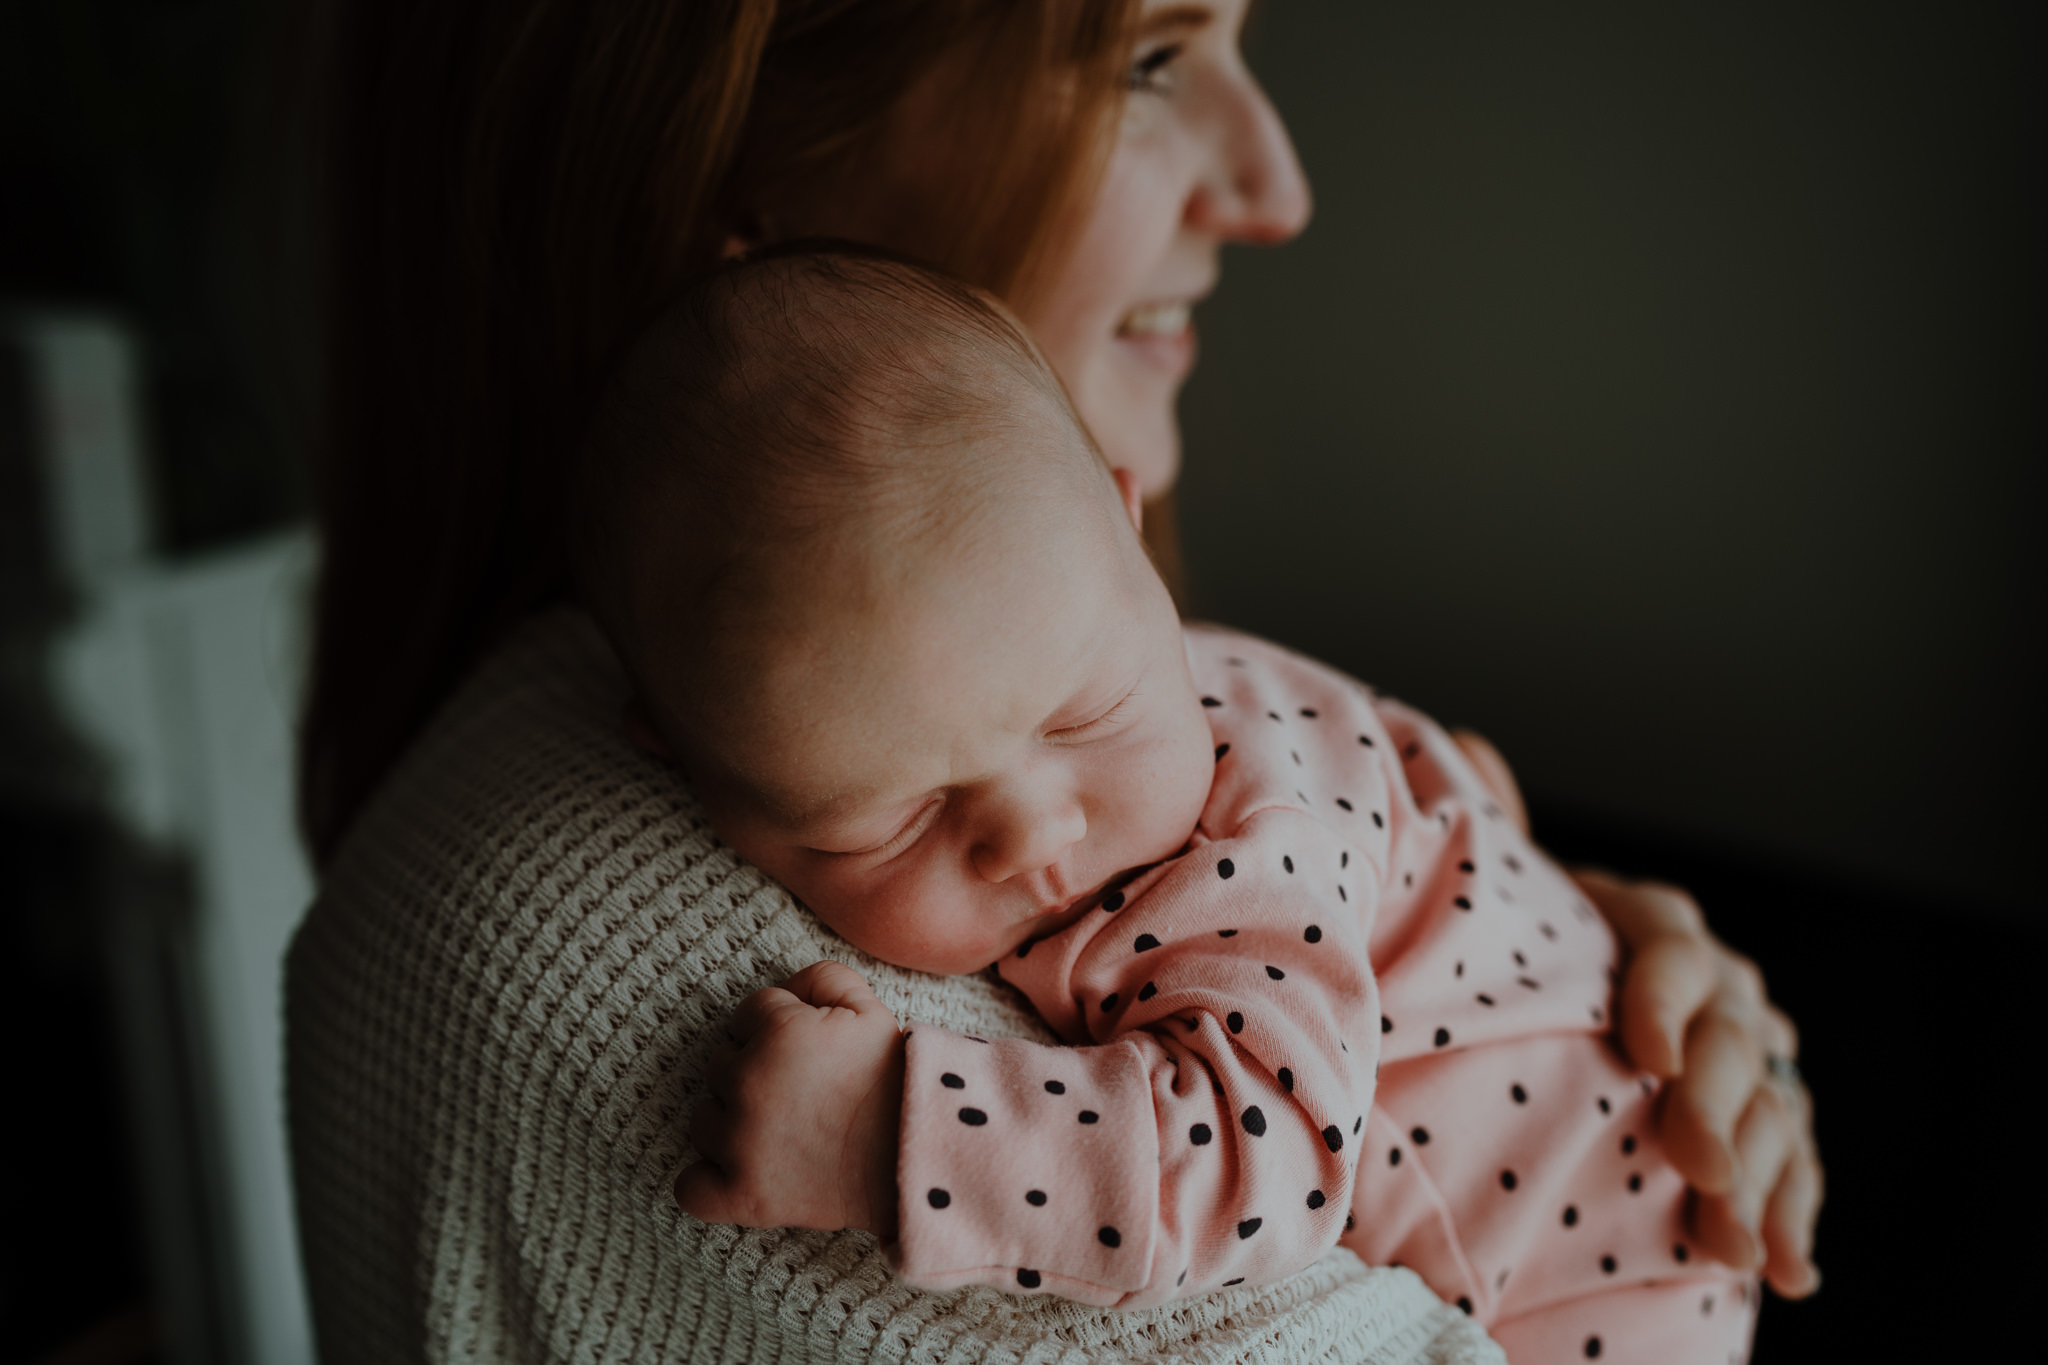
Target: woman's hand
<point>1736,1120</point>
<point>797,1128</point>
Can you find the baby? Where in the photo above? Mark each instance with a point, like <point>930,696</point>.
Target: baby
<point>884,603</point>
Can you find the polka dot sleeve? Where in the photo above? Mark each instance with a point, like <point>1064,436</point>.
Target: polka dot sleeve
<point>1206,1132</point>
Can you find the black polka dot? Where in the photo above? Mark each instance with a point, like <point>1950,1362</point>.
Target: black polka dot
<point>1378,823</point>
<point>1483,998</point>
<point>1109,1002</point>
<point>1254,1122</point>
<point>1315,1199</point>
<point>1113,902</point>
<point>1462,902</point>
<point>937,1198</point>
<point>1547,932</point>
<point>1520,961</point>
<point>973,1118</point>
<point>1443,1037</point>
<point>1055,1088</point>
<point>1507,1180</point>
<point>952,1082</point>
<point>1182,1280</point>
<point>1607,1265</point>
<point>1707,1306</point>
<point>1333,1138</point>
<point>1359,1122</point>
<point>1028,1278</point>
<point>1592,1347</point>
<point>1605,1107</point>
<point>1109,1237</point>
<point>1226,933</point>
<point>1286,863</point>
<point>1350,1221</point>
<point>1145,943</point>
<point>1211,701</point>
<point>1313,934</point>
<point>1386,1024</point>
<point>1681,1252</point>
<point>1635,1183</point>
<point>1366,740</point>
<point>1286,1080</point>
<point>1628,1145</point>
<point>1342,804</point>
<point>1571,1215</point>
<point>1344,857</point>
<point>1528,983</point>
<point>1465,1305</point>
<point>1089,1116</point>
<point>1235,1022</point>
<point>1238,1280</point>
<point>1148,990</point>
<point>1458,970</point>
<point>1200,1135</point>
<point>1035,1198</point>
<point>1419,1136</point>
<point>1465,866</point>
<point>1272,715</point>
<point>1309,711</point>
<point>1275,972</point>
<point>1517,1094</point>
<point>1342,894</point>
<point>1295,754</point>
<point>1248,1227</point>
<point>1221,750</point>
<point>1226,869</point>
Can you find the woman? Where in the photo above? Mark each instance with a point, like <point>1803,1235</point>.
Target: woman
<point>523,931</point>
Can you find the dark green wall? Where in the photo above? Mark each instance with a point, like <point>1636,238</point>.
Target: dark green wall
<point>1657,390</point>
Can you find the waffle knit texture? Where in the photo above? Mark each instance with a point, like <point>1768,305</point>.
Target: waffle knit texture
<point>497,1016</point>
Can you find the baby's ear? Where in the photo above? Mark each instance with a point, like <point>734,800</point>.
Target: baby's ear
<point>1134,499</point>
<point>640,731</point>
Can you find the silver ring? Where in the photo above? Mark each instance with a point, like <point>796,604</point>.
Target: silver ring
<point>1782,1068</point>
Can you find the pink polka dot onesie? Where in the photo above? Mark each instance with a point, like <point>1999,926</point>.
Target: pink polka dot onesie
<point>1360,1007</point>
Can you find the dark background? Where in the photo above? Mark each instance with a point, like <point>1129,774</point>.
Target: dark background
<point>1657,390</point>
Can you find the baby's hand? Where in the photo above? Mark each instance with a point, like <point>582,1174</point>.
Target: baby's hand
<point>798,1128</point>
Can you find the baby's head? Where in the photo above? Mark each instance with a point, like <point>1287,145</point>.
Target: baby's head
<point>883,601</point>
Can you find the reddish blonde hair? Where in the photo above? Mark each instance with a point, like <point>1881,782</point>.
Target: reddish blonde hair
<point>514,188</point>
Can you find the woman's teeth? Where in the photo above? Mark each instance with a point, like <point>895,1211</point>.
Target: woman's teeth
<point>1155,320</point>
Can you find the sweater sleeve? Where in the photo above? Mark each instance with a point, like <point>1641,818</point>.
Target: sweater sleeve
<point>1208,1136</point>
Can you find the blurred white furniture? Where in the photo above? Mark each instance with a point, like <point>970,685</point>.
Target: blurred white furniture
<point>184,678</point>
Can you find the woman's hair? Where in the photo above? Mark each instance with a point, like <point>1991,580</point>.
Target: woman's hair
<point>514,189</point>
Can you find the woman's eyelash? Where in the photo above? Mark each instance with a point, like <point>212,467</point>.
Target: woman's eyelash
<point>1145,72</point>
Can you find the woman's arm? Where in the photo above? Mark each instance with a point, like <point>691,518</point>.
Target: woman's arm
<point>1737,1122</point>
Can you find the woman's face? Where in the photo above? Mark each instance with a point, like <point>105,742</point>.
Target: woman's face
<point>1201,159</point>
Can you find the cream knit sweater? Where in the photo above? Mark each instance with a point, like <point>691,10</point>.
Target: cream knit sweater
<point>497,1013</point>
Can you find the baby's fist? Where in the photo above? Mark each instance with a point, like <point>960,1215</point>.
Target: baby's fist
<point>797,1129</point>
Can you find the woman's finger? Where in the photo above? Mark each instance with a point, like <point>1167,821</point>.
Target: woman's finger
<point>1765,1139</point>
<point>1673,970</point>
<point>1788,1227</point>
<point>1723,1067</point>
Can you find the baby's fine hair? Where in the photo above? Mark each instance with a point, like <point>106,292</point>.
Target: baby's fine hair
<point>790,391</point>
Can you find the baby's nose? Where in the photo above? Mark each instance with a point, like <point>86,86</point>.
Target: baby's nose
<point>1024,837</point>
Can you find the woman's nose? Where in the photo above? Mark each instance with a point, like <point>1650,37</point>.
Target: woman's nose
<point>1255,191</point>
<point>1024,832</point>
